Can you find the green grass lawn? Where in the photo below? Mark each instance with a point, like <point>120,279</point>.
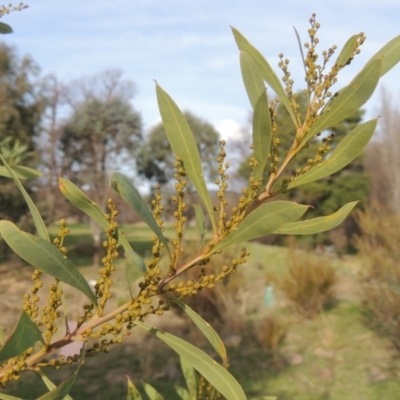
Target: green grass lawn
<point>336,356</point>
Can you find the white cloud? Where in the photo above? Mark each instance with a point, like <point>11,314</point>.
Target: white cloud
<point>229,129</point>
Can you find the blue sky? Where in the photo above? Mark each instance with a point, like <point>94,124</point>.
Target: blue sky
<point>187,45</point>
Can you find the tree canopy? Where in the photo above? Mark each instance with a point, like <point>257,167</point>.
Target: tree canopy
<point>156,161</point>
<point>103,132</point>
<point>21,108</point>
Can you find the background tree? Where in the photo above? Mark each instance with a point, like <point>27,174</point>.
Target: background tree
<point>51,161</point>
<point>156,161</point>
<point>21,108</point>
<point>21,104</point>
<point>102,134</point>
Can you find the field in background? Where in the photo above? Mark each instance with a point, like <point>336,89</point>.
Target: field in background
<point>333,356</point>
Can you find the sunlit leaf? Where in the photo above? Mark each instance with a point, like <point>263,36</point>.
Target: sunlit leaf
<point>50,385</point>
<point>207,330</point>
<point>317,225</point>
<point>200,221</point>
<point>265,398</point>
<point>151,392</point>
<point>261,134</point>
<point>190,377</point>
<point>252,78</point>
<point>182,392</point>
<point>264,220</point>
<point>24,335</point>
<point>79,199</point>
<point>214,373</point>
<point>45,256</point>
<point>20,172</point>
<point>345,152</point>
<point>348,101</point>
<point>133,393</point>
<point>37,219</point>
<point>125,188</point>
<point>389,54</point>
<point>134,263</point>
<point>266,71</point>
<point>5,28</point>
<point>4,396</point>
<point>184,146</point>
<point>348,50</point>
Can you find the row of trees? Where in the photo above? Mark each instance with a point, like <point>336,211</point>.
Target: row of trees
<point>83,130</point>
<point>88,128</point>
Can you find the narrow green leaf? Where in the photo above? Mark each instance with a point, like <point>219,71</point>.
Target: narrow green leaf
<point>214,373</point>
<point>20,172</point>
<point>182,392</point>
<point>136,268</point>
<point>124,187</point>
<point>50,385</point>
<point>133,393</point>
<point>200,221</point>
<point>184,146</point>
<point>348,101</point>
<point>261,134</point>
<point>45,256</point>
<point>15,173</point>
<point>265,398</point>
<point>5,28</point>
<point>301,52</point>
<point>37,219</point>
<point>266,71</point>
<point>347,51</point>
<point>317,225</point>
<point>264,220</point>
<point>79,199</point>
<point>389,54</point>
<point>134,263</point>
<point>151,392</point>
<point>345,152</point>
<point>61,392</point>
<point>4,396</point>
<point>190,377</point>
<point>252,78</point>
<point>207,330</point>
<point>24,335</point>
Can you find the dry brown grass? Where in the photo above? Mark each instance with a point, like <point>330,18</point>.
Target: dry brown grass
<point>309,283</point>
<point>270,332</point>
<point>379,246</point>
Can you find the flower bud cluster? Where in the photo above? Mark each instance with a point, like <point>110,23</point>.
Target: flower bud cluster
<point>222,183</point>
<point>191,287</point>
<point>180,219</point>
<point>104,282</point>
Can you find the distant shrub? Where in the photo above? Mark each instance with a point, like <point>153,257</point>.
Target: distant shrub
<point>308,283</point>
<point>380,274</point>
<point>271,332</point>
